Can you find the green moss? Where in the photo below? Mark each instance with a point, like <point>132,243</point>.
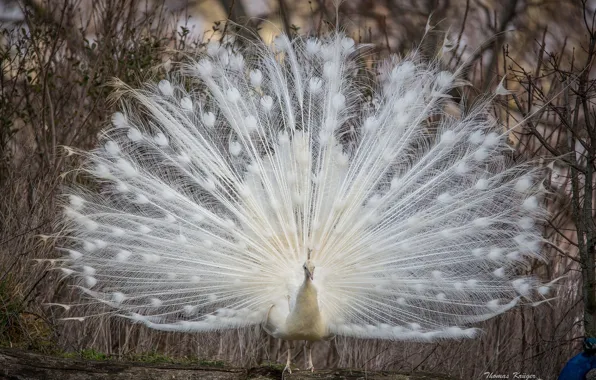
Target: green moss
<point>212,363</point>
<point>145,357</point>
<point>93,355</point>
<point>156,358</point>
<point>84,354</point>
<point>274,365</point>
<point>150,357</point>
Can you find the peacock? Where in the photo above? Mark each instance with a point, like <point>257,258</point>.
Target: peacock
<point>295,187</point>
<point>578,367</point>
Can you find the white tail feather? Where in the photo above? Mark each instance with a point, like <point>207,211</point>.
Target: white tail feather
<point>210,200</point>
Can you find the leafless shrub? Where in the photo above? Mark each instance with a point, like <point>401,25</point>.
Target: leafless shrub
<point>53,93</point>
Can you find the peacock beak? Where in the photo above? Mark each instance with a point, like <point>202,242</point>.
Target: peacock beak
<point>308,274</point>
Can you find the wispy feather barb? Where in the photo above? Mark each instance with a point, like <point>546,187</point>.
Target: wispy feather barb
<point>211,198</point>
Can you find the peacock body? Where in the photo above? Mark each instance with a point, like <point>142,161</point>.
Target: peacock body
<point>219,190</point>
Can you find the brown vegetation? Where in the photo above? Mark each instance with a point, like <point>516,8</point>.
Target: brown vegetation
<point>32,366</point>
<point>55,68</point>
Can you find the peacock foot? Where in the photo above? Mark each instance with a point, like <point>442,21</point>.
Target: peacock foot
<point>287,368</point>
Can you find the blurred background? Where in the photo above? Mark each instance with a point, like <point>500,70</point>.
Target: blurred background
<point>57,59</point>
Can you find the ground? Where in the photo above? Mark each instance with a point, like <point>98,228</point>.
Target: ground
<point>24,365</point>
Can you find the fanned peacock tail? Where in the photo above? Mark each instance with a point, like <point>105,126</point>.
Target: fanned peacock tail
<point>212,187</point>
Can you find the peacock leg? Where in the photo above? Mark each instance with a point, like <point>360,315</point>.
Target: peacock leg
<point>310,365</point>
<point>289,361</point>
<point>268,312</point>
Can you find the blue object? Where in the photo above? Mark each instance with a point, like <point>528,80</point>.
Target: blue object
<point>578,366</point>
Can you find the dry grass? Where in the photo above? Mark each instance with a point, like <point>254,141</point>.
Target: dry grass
<point>53,94</point>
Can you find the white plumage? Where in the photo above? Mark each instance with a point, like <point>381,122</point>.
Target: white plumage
<point>214,187</point>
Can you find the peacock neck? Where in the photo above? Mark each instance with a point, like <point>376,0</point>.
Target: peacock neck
<point>307,298</point>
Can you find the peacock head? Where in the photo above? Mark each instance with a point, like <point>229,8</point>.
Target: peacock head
<point>309,269</point>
